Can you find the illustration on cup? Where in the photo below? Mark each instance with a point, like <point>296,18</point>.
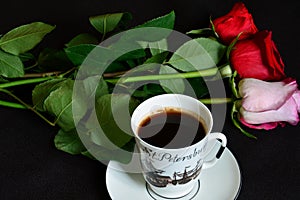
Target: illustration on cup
<point>154,176</point>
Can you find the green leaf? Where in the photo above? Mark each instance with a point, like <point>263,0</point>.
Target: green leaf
<point>94,56</point>
<point>77,54</point>
<point>157,58</point>
<point>233,85</point>
<point>26,57</point>
<point>126,48</point>
<point>95,132</point>
<point>89,89</point>
<point>116,67</point>
<point>84,95</point>
<point>59,104</point>
<point>148,31</point>
<point>153,30</point>
<point>167,21</point>
<point>112,109</point>
<point>197,54</point>
<point>42,91</point>
<point>24,38</point>
<point>234,118</point>
<point>108,22</point>
<point>83,38</point>
<point>69,142</point>
<point>3,80</point>
<point>136,54</point>
<point>52,59</point>
<point>10,66</point>
<point>232,44</point>
<point>199,87</point>
<point>158,47</point>
<point>131,63</point>
<point>213,28</point>
<point>201,32</point>
<point>171,85</point>
<point>153,89</point>
<point>155,47</point>
<point>148,91</point>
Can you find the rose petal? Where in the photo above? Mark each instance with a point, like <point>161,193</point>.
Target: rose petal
<point>296,97</point>
<point>261,96</point>
<point>233,23</point>
<point>272,57</point>
<point>287,113</point>
<point>258,58</point>
<point>266,126</point>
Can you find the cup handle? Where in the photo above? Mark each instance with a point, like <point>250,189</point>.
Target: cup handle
<point>213,136</point>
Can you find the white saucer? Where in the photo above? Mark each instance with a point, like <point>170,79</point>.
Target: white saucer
<point>222,181</point>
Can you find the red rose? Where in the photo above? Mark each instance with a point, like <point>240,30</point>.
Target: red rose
<point>258,58</point>
<point>236,21</point>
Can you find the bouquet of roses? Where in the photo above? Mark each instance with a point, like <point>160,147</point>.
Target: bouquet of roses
<point>84,103</point>
<point>269,98</point>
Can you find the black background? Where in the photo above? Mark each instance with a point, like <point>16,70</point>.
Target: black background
<point>32,168</point>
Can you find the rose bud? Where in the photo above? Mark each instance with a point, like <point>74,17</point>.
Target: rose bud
<point>267,104</point>
<point>258,58</point>
<point>238,20</point>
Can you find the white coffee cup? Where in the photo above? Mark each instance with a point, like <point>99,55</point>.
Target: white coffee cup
<point>174,172</point>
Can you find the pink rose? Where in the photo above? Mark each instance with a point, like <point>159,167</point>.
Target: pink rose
<point>238,20</point>
<point>265,105</point>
